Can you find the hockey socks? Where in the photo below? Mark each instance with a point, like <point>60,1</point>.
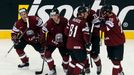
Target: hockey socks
<point>97,62</point>
<point>117,68</point>
<point>65,63</point>
<point>87,66</point>
<point>23,58</point>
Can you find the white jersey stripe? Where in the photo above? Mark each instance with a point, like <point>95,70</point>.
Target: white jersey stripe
<point>110,23</point>
<point>40,23</point>
<point>15,29</point>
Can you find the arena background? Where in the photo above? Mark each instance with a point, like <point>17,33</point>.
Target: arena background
<point>9,12</point>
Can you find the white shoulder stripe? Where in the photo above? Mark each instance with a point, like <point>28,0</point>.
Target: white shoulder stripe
<point>44,29</point>
<point>40,23</point>
<point>107,28</point>
<point>86,29</point>
<point>109,23</point>
<point>15,29</point>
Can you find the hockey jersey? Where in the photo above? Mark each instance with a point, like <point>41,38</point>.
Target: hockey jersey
<point>113,32</point>
<point>30,32</point>
<point>56,36</point>
<point>78,33</point>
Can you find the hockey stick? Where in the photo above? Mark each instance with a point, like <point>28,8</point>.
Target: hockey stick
<point>40,72</point>
<point>101,35</point>
<point>91,31</point>
<point>9,50</point>
<point>19,37</point>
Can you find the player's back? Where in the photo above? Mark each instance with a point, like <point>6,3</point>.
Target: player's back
<point>75,36</point>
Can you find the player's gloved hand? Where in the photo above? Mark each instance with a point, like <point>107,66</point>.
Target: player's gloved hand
<point>55,42</point>
<point>87,46</point>
<point>96,22</point>
<point>15,38</point>
<point>34,39</point>
<point>102,20</point>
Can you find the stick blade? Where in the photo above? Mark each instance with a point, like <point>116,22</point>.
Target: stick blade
<point>38,72</point>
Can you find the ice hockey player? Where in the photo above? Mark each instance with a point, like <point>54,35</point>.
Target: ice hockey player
<point>91,19</point>
<point>78,37</point>
<point>56,39</point>
<point>114,38</point>
<point>28,28</point>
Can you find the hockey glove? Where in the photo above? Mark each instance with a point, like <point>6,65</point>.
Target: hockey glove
<point>34,39</point>
<point>15,38</point>
<point>87,46</point>
<point>102,21</point>
<point>96,21</point>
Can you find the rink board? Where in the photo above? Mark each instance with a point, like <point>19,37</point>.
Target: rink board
<point>6,34</point>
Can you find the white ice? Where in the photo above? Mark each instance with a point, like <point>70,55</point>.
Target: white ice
<point>8,65</point>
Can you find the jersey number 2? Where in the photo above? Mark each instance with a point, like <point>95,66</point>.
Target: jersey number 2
<point>73,30</point>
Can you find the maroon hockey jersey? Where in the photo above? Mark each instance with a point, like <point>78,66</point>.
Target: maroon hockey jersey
<point>90,18</point>
<point>35,25</point>
<point>56,36</point>
<point>113,33</point>
<point>78,33</point>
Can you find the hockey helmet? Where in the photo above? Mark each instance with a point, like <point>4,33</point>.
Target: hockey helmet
<point>106,8</point>
<point>54,11</point>
<point>82,9</point>
<point>22,10</point>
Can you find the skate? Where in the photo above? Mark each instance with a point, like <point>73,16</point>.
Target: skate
<point>82,72</point>
<point>52,72</point>
<point>122,73</point>
<point>87,70</point>
<point>99,70</point>
<point>23,65</point>
<point>64,69</point>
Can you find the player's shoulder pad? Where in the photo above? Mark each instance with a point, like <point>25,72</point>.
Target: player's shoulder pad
<point>63,18</point>
<point>83,22</point>
<point>37,18</point>
<point>49,21</point>
<point>18,22</point>
<point>32,17</point>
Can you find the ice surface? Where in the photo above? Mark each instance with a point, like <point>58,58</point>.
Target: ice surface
<point>8,65</point>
